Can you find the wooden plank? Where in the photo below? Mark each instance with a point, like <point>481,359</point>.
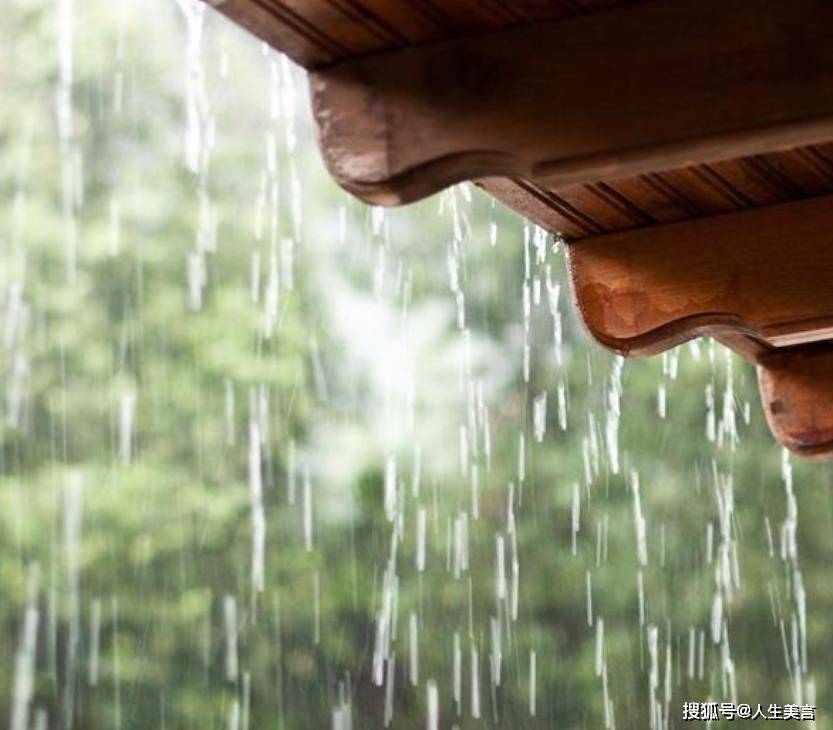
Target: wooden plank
<point>538,206</point>
<point>670,196</point>
<point>764,273</point>
<point>315,33</point>
<point>797,395</point>
<point>634,90</point>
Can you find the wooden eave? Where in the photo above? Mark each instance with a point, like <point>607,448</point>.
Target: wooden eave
<point>684,148</point>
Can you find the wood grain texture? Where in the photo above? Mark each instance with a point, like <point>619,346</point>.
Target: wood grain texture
<point>677,82</point>
<point>317,33</point>
<point>697,191</point>
<point>763,273</point>
<point>322,32</point>
<point>797,396</point>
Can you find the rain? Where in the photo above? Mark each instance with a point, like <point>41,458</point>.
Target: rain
<point>272,457</point>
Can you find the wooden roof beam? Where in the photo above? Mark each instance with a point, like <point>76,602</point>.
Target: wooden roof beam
<point>797,395</point>
<point>758,280</point>
<point>649,87</point>
<point>764,273</point>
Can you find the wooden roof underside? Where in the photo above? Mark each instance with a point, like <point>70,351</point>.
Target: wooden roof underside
<point>669,196</point>
<point>321,33</point>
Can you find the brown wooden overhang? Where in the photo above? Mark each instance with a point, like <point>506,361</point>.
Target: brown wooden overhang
<point>684,148</point>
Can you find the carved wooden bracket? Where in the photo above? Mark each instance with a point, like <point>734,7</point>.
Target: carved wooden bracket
<point>797,394</point>
<point>649,87</point>
<point>764,273</point>
<point>759,280</point>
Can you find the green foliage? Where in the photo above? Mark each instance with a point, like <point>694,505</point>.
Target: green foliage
<point>365,362</point>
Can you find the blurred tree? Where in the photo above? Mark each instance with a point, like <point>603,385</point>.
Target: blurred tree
<point>237,402</point>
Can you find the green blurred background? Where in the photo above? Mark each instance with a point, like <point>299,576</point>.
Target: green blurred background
<point>228,392</point>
